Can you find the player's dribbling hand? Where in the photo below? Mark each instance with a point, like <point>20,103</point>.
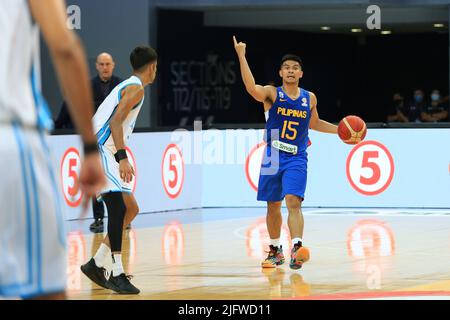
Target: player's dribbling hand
<point>239,47</point>
<point>126,170</point>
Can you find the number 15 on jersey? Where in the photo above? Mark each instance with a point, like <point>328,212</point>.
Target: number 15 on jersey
<point>289,130</point>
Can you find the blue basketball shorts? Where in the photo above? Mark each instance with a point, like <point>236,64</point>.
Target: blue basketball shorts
<point>282,176</point>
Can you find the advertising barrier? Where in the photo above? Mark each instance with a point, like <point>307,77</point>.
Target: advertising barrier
<point>220,168</point>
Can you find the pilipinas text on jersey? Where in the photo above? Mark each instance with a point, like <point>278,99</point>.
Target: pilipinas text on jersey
<point>288,122</point>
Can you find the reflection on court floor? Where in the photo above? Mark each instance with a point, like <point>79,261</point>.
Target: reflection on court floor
<point>216,254</point>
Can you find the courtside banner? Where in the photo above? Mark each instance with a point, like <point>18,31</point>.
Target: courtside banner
<point>163,181</point>
<point>390,168</point>
<point>220,168</point>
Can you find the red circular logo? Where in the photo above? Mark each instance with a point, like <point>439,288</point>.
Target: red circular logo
<point>370,168</point>
<point>172,170</point>
<point>70,171</point>
<point>370,238</point>
<point>173,243</point>
<point>76,255</point>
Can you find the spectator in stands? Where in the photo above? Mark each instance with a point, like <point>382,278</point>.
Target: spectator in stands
<point>102,85</point>
<point>416,106</point>
<point>436,110</point>
<point>397,109</point>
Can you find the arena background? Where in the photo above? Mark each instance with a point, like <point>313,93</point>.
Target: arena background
<point>199,80</point>
<point>351,73</point>
<point>372,211</point>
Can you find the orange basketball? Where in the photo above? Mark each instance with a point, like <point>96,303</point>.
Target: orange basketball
<point>352,129</point>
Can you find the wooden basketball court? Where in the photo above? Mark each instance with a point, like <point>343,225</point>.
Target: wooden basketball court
<point>216,254</point>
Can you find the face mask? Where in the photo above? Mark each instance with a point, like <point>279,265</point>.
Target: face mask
<point>418,98</point>
<point>435,96</point>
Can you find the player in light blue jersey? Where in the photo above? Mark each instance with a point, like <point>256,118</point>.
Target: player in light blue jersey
<point>32,234</point>
<point>114,123</point>
<point>291,112</point>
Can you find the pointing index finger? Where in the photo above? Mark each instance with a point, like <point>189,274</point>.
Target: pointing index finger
<point>235,41</point>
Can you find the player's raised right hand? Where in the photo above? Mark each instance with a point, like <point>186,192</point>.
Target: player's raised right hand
<point>239,47</point>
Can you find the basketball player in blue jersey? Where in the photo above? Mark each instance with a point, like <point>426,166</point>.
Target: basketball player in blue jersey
<point>114,122</point>
<point>291,112</point>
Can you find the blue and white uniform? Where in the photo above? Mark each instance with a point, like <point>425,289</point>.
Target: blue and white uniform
<point>284,166</point>
<point>32,235</point>
<point>107,148</point>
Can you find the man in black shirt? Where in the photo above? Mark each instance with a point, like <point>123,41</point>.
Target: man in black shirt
<point>436,109</point>
<point>397,109</point>
<point>102,85</point>
<point>416,106</point>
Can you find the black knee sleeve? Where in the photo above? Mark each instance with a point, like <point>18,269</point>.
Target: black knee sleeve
<point>116,213</point>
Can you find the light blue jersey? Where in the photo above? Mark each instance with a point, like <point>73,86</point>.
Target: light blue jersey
<point>32,234</point>
<point>106,111</point>
<point>107,148</point>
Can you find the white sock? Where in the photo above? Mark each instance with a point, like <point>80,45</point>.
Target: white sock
<point>102,255</point>
<point>275,242</point>
<point>295,240</point>
<point>117,267</point>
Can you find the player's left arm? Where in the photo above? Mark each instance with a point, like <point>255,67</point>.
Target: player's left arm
<point>316,123</point>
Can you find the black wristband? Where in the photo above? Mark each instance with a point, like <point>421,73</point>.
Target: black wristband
<point>90,148</point>
<point>120,155</point>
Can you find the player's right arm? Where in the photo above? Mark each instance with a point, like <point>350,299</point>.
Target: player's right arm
<point>258,92</point>
<point>71,67</point>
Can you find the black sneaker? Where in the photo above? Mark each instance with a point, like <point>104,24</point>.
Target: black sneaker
<point>98,275</point>
<point>121,284</point>
<point>97,226</point>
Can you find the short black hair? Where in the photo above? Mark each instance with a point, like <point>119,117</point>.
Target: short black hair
<point>292,57</point>
<point>142,56</point>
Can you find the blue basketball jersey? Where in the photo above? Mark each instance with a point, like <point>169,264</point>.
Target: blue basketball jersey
<point>290,120</point>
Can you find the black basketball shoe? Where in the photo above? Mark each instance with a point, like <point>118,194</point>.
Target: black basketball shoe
<point>121,284</point>
<point>97,226</point>
<point>98,275</point>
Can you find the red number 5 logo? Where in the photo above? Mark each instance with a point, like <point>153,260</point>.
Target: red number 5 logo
<point>172,171</point>
<point>367,155</point>
<point>73,190</point>
<point>370,168</point>
<point>70,167</point>
<point>173,168</point>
